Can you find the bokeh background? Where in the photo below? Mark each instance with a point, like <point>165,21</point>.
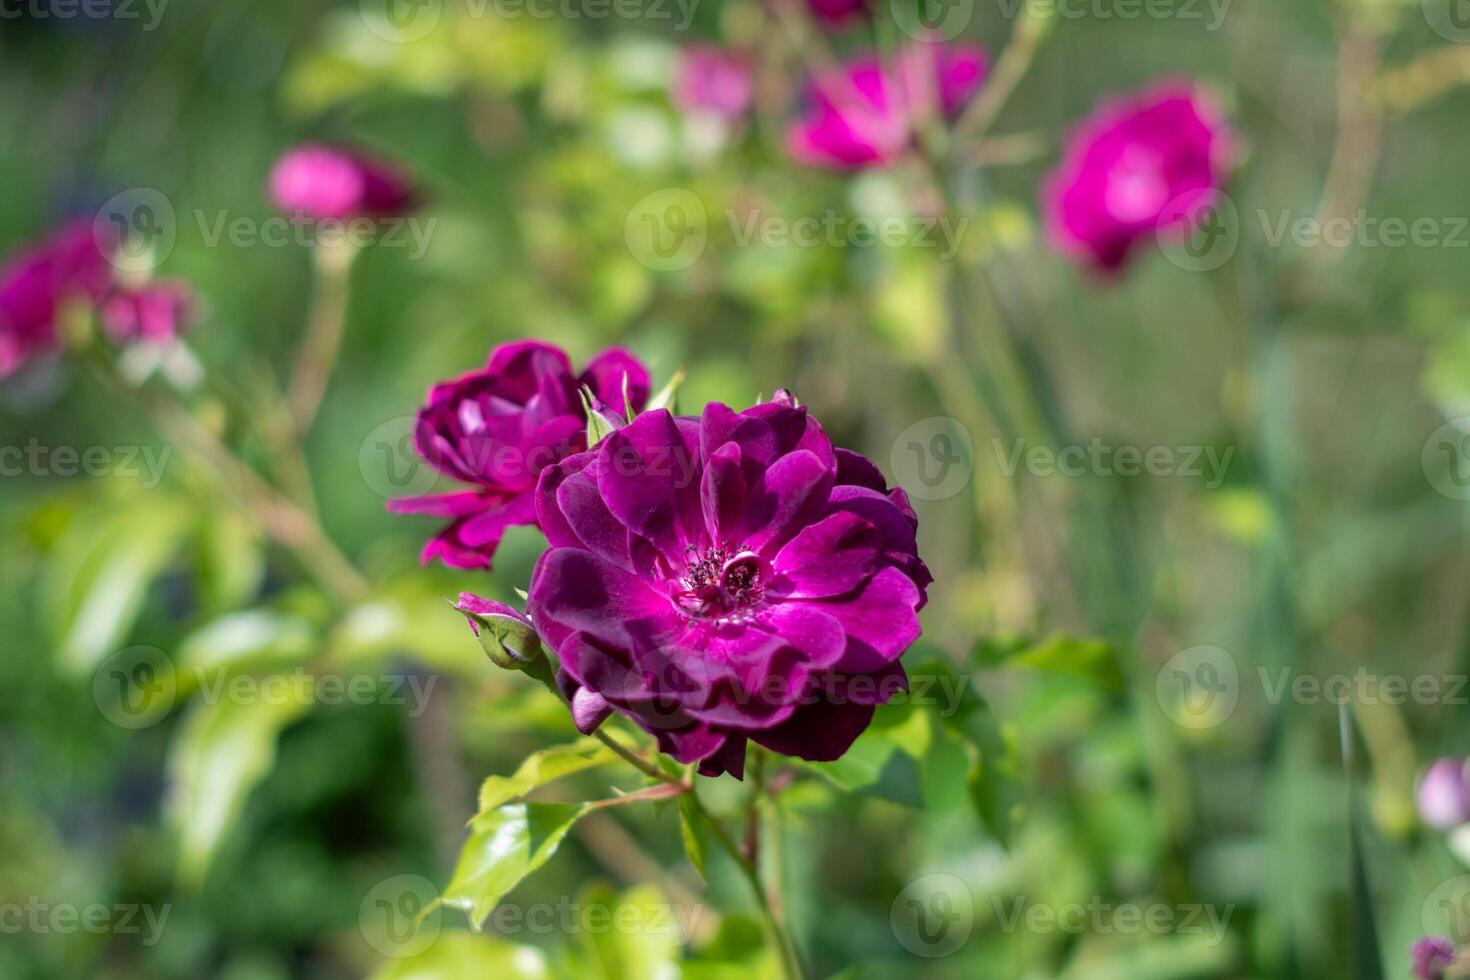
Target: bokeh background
<point>1158,760</point>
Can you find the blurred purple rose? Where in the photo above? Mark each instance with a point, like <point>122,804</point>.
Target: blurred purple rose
<point>865,113</point>
<point>837,13</point>
<point>497,428</point>
<point>725,578</point>
<point>37,284</point>
<point>713,81</point>
<point>1444,796</point>
<point>1144,165</point>
<point>1432,956</point>
<point>325,182</point>
<point>154,314</point>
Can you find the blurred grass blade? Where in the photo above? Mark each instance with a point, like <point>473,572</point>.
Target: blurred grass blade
<point>1367,952</point>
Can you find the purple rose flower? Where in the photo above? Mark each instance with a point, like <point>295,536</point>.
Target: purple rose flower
<point>865,115</point>
<point>1432,956</point>
<point>1444,795</point>
<point>36,285</point>
<point>725,578</point>
<point>712,81</point>
<point>324,182</point>
<point>837,13</point>
<point>497,429</point>
<point>153,314</point>
<point>1141,166</point>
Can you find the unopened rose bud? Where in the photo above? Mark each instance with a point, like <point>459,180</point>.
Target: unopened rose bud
<point>506,635</point>
<point>1444,796</point>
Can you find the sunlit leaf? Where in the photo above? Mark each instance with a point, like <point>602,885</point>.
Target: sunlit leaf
<point>541,768</point>
<point>465,956</point>
<point>506,845</point>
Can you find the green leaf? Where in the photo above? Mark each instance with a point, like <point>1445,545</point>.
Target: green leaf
<point>223,750</point>
<point>101,573</point>
<point>874,766</point>
<point>599,427</point>
<point>543,767</point>
<point>231,559</point>
<point>465,956</point>
<point>409,617</point>
<point>692,830</point>
<point>1093,660</point>
<point>995,788</point>
<point>245,640</point>
<point>506,845</point>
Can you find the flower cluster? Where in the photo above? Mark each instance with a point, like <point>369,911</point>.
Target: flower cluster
<point>72,269</point>
<point>726,578</point>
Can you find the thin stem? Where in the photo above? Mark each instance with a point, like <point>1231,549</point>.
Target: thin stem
<point>1014,62</point>
<point>324,330</point>
<point>638,762</point>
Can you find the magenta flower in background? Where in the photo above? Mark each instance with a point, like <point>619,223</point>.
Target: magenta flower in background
<point>36,285</point>
<point>496,429</point>
<point>1141,166</point>
<point>1432,956</point>
<point>865,114</point>
<point>325,182</point>
<point>713,81</point>
<point>837,13</point>
<point>1444,795</point>
<point>154,314</point>
<point>725,578</point>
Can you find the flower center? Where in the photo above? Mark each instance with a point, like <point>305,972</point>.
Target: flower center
<point>1136,187</point>
<point>720,583</point>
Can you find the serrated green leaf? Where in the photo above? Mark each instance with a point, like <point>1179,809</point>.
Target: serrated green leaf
<point>876,767</point>
<point>506,845</point>
<point>541,768</point>
<point>223,750</point>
